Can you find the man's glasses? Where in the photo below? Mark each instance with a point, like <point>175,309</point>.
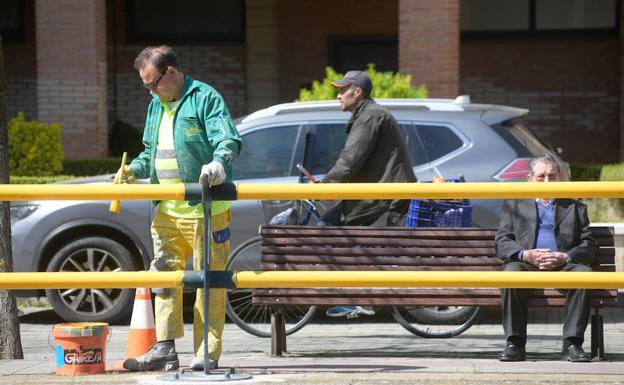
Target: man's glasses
<point>153,85</point>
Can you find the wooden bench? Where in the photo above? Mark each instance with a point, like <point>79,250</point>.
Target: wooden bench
<point>365,248</point>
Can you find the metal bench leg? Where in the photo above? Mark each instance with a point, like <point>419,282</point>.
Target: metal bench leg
<point>278,333</point>
<point>597,336</point>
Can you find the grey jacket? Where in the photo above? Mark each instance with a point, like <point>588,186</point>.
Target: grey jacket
<point>518,229</point>
<point>375,151</point>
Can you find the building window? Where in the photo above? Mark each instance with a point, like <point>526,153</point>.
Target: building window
<point>540,17</point>
<point>356,52</point>
<point>185,21</point>
<point>12,21</point>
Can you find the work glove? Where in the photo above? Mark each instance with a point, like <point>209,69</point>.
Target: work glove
<point>215,173</point>
<point>125,175</point>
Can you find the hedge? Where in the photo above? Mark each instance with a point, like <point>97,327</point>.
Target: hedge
<point>91,167</point>
<point>34,147</point>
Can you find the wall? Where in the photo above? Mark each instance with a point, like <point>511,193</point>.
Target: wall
<point>304,29</point>
<point>222,65</point>
<point>429,44</point>
<point>20,69</point>
<point>571,86</point>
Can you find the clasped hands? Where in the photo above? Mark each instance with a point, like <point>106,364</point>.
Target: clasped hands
<point>544,259</point>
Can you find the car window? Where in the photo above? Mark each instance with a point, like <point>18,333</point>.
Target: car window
<point>325,141</point>
<point>437,141</point>
<point>525,138</point>
<point>266,153</point>
<point>413,144</point>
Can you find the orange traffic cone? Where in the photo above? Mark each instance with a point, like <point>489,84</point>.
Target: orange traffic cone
<point>142,333</point>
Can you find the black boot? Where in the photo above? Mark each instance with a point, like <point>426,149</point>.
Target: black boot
<point>161,356</point>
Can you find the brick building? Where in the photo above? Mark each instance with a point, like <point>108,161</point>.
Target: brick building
<point>71,60</point>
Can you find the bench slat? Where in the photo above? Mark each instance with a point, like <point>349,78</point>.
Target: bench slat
<point>412,292</point>
<point>602,263</point>
<point>363,241</point>
<point>378,251</point>
<point>417,297</point>
<point>331,267</point>
<point>380,260</point>
<point>604,235</point>
<point>458,233</point>
<point>373,301</point>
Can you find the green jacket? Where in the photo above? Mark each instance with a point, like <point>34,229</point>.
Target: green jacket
<point>203,131</point>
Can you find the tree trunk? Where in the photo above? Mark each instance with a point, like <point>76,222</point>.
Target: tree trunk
<point>10,343</point>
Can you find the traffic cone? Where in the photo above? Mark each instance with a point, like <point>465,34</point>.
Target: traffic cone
<point>142,333</point>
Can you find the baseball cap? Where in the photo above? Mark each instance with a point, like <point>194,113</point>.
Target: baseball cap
<point>357,78</point>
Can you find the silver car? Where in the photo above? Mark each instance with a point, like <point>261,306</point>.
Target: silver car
<point>481,142</point>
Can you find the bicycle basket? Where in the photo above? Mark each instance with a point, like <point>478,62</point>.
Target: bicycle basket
<point>430,213</point>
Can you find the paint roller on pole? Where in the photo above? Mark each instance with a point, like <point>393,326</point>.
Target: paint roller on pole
<point>115,206</point>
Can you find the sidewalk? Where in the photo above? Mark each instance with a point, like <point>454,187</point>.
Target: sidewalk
<point>357,352</point>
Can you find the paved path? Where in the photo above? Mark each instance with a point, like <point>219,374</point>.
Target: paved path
<point>355,352</point>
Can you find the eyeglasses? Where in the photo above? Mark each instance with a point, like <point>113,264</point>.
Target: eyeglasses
<point>153,85</point>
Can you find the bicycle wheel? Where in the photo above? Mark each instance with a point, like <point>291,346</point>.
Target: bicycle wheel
<point>436,321</point>
<point>256,319</point>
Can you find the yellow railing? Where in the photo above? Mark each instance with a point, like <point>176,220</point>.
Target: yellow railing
<point>316,191</point>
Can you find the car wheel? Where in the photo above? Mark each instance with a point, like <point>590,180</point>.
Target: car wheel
<point>92,254</point>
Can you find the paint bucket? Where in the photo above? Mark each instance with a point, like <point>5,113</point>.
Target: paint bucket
<point>80,348</point>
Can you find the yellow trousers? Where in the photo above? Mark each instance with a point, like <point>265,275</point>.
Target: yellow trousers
<point>175,240</point>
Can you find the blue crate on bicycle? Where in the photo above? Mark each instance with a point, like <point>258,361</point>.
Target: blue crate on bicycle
<point>431,213</point>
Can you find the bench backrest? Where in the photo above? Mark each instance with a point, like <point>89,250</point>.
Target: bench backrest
<point>395,248</point>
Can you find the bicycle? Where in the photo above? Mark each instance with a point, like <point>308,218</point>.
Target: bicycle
<point>426,322</point>
<point>256,319</point>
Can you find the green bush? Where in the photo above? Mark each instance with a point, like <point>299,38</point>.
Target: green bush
<point>585,172</point>
<point>385,85</point>
<point>40,179</point>
<point>90,167</point>
<point>604,209</point>
<point>34,147</point>
<point>612,172</point>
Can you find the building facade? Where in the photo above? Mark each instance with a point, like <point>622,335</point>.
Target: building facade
<point>71,60</point>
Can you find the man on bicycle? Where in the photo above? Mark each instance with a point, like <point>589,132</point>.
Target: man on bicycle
<point>375,151</point>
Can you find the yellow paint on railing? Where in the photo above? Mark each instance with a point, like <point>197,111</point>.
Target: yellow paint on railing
<point>16,192</point>
<point>431,190</point>
<point>116,280</point>
<point>309,279</point>
<point>284,191</point>
<point>441,279</point>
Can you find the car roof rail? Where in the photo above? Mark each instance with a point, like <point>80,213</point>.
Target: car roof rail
<point>320,105</point>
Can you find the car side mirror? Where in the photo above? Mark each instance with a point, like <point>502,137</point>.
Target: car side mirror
<point>559,150</point>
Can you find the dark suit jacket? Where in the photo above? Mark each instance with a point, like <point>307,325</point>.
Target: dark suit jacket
<point>518,229</point>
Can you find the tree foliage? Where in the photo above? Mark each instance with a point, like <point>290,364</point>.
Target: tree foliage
<point>385,85</point>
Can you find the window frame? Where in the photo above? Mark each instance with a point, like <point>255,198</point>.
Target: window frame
<point>334,40</point>
<point>16,35</point>
<point>132,36</point>
<point>533,32</point>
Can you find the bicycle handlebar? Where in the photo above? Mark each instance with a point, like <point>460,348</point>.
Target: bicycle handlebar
<point>307,173</point>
